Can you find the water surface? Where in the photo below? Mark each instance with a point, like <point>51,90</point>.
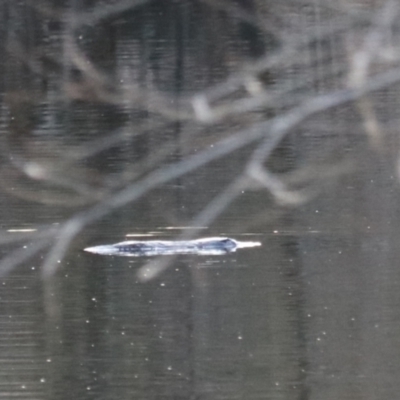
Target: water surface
<point>140,120</point>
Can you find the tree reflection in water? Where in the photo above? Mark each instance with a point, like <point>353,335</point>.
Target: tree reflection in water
<point>105,104</point>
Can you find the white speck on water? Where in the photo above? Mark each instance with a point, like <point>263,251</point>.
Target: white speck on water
<point>162,284</point>
<point>42,380</point>
<point>48,360</point>
<point>169,368</point>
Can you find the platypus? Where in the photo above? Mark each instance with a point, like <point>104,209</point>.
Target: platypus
<point>205,246</point>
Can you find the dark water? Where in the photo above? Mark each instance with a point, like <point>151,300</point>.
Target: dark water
<point>141,119</point>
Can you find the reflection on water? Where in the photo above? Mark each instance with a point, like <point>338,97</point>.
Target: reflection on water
<point>264,121</point>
